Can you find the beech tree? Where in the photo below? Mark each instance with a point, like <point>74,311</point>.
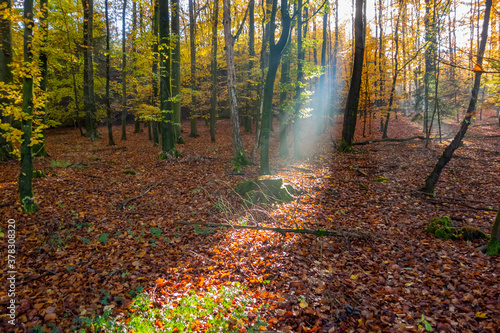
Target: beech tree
<point>88,71</point>
<point>433,177</point>
<point>111,142</point>
<point>275,52</point>
<point>26,195</point>
<point>213,99</point>
<point>175,44</point>
<point>124,72</point>
<point>194,85</point>
<point>239,156</point>
<point>5,75</point>
<point>351,108</point>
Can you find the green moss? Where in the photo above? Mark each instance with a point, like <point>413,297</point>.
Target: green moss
<point>39,174</point>
<point>471,233</point>
<point>129,172</point>
<point>265,191</point>
<point>493,247</point>
<point>441,233</point>
<point>442,228</point>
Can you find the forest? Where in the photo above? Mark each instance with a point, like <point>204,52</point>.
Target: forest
<point>250,166</point>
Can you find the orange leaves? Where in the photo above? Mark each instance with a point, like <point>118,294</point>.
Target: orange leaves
<point>161,282</point>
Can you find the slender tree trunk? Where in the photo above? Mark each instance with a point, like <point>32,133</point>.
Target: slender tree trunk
<point>26,194</point>
<point>39,149</point>
<point>430,55</point>
<point>249,114</point>
<point>351,109</point>
<point>194,85</point>
<point>284,103</point>
<point>275,52</point>
<point>176,69</point>
<point>88,71</point>
<point>396,70</point>
<point>300,78</point>
<point>111,142</point>
<point>213,102</point>
<point>168,138</point>
<point>335,84</point>
<point>321,100</point>
<point>137,120</point>
<point>124,72</point>
<point>431,181</point>
<point>154,98</point>
<point>5,73</point>
<point>238,151</point>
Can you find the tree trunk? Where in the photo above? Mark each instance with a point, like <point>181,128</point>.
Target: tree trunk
<point>5,74</point>
<point>194,86</point>
<point>213,102</point>
<point>249,114</point>
<point>396,70</point>
<point>335,84</point>
<point>321,100</point>
<point>154,97</point>
<point>275,52</point>
<point>26,194</point>
<point>88,71</point>
<point>39,149</point>
<point>124,73</point>
<point>284,103</point>
<point>430,56</point>
<point>111,142</point>
<point>300,78</point>
<point>351,109</point>
<point>168,141</point>
<point>176,68</point>
<point>239,157</point>
<point>431,181</point>
<point>137,120</point>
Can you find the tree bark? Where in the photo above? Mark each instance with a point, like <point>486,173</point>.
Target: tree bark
<point>431,181</point>
<point>321,100</point>
<point>239,157</point>
<point>275,52</point>
<point>124,73</point>
<point>213,102</point>
<point>168,141</point>
<point>194,85</point>
<point>176,68</point>
<point>5,73</point>
<point>88,71</point>
<point>300,78</point>
<point>351,109</point>
<point>249,114</point>
<point>154,97</point>
<point>111,142</point>
<point>26,194</point>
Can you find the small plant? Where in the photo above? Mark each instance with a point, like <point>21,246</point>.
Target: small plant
<point>129,172</point>
<point>55,241</point>
<point>137,291</point>
<point>125,274</point>
<point>155,231</point>
<point>380,180</point>
<point>85,240</point>
<point>203,231</point>
<point>60,204</point>
<point>39,174</point>
<point>103,238</point>
<point>426,324</point>
<point>131,207</point>
<point>105,297</point>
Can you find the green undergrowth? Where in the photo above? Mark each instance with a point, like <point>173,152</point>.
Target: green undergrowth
<point>224,309</point>
<point>443,228</point>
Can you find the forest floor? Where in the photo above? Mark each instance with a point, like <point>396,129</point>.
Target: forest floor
<point>103,235</point>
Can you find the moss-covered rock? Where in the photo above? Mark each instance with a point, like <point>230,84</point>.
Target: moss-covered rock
<point>443,228</point>
<point>470,233</point>
<point>265,191</point>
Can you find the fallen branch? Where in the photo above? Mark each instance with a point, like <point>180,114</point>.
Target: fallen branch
<point>387,140</point>
<point>103,149</point>
<point>126,202</point>
<point>318,232</point>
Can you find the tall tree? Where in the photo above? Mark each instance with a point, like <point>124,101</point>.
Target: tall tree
<point>251,54</point>
<point>26,195</point>
<point>213,100</point>
<point>124,71</point>
<point>176,68</point>
<point>321,100</point>
<point>395,47</point>
<point>88,71</point>
<point>351,109</point>
<point>431,181</point>
<point>5,72</point>
<point>239,156</point>
<point>300,78</point>
<point>155,19</point>
<point>111,142</point>
<point>168,138</point>
<point>194,83</point>
<point>39,149</point>
<point>275,52</point>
